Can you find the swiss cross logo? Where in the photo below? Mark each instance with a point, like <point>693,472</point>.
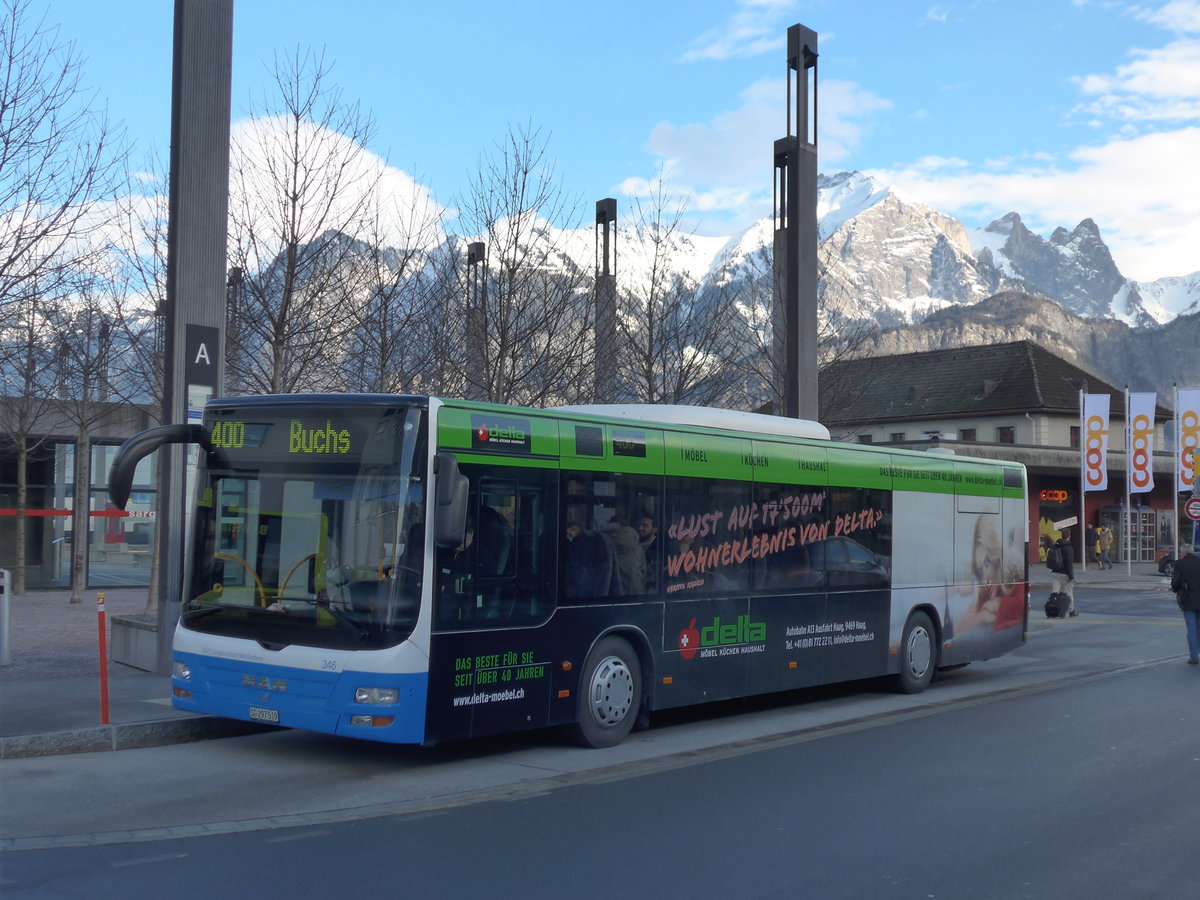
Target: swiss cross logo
<point>689,640</point>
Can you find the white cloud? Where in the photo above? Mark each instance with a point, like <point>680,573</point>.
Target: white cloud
<point>1140,191</point>
<point>1140,184</point>
<point>336,173</point>
<point>752,30</point>
<point>1180,16</point>
<point>1160,84</point>
<point>726,163</point>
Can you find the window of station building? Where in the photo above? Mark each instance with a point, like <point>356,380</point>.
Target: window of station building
<point>865,439</point>
<point>897,437</point>
<point>1074,437</point>
<point>1006,434</point>
<point>967,434</point>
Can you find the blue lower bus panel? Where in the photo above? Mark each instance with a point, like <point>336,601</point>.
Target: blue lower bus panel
<point>305,699</point>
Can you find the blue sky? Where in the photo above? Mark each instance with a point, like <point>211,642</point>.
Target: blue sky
<point>1056,109</point>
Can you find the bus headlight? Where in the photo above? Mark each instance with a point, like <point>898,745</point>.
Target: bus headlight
<point>182,671</point>
<point>381,696</point>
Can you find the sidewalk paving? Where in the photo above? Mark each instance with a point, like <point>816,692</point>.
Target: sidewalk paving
<point>50,692</point>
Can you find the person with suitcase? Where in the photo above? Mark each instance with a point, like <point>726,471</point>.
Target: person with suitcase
<point>1060,559</point>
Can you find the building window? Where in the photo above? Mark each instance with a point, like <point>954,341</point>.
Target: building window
<point>897,436</point>
<point>1006,434</point>
<point>1074,437</point>
<point>966,434</point>
<point>865,439</point>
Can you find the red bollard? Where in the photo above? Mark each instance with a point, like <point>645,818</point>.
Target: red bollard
<point>103,660</point>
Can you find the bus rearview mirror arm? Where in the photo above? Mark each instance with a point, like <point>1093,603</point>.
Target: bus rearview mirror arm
<point>141,445</point>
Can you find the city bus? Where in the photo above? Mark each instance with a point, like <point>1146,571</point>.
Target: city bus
<point>416,570</point>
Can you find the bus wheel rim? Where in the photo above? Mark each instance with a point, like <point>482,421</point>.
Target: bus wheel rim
<point>611,691</point>
<point>920,652</point>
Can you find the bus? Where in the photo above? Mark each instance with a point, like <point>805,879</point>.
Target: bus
<point>416,570</point>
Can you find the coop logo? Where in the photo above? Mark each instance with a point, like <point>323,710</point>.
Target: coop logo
<point>1142,444</point>
<point>732,637</point>
<point>1189,443</point>
<point>499,434</point>
<point>1095,445</point>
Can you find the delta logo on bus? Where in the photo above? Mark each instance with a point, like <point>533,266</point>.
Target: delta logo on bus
<point>723,638</point>
<point>496,433</point>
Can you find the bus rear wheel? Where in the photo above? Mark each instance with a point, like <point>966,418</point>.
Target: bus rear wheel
<point>918,654</point>
<point>610,694</point>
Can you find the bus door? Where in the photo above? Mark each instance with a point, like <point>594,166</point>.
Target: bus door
<point>490,670</point>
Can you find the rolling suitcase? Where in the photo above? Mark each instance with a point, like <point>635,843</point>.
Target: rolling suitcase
<point>1057,606</point>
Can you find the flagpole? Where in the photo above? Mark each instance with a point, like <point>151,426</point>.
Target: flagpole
<point>1082,480</point>
<point>1175,473</point>
<point>1128,490</point>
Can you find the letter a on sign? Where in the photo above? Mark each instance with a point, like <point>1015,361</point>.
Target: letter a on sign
<point>202,353</point>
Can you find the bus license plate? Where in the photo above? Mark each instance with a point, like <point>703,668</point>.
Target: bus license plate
<point>264,715</point>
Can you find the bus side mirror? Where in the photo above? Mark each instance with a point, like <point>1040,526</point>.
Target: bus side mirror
<point>141,445</point>
<point>450,503</point>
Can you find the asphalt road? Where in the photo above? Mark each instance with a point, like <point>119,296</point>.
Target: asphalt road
<point>1080,791</point>
<point>1062,764</point>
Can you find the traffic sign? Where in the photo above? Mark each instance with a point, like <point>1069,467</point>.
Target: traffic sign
<point>1191,508</point>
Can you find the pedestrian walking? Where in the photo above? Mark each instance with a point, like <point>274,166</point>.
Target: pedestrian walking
<point>1106,542</point>
<point>1062,576</point>
<point>1185,582</point>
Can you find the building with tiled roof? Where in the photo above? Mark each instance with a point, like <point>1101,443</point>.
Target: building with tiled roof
<point>1015,401</point>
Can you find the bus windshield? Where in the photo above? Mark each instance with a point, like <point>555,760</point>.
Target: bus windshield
<point>309,526</point>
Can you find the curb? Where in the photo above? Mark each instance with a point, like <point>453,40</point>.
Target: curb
<point>126,736</point>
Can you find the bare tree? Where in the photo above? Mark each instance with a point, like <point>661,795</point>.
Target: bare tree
<point>57,157</point>
<point>536,318</point>
<point>404,339</point>
<point>27,400</point>
<point>676,336</point>
<point>59,160</point>
<point>750,284</point>
<point>84,337</point>
<point>302,190</point>
<point>139,295</point>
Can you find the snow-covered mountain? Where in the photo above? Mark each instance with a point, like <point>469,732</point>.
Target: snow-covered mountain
<point>892,260</point>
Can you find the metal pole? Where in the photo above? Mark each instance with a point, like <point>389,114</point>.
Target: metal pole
<point>5,593</point>
<point>103,659</point>
<point>1128,492</point>
<point>1082,483</point>
<point>795,262</point>
<point>477,375</point>
<point>606,301</point>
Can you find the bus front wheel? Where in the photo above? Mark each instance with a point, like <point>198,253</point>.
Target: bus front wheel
<point>918,654</point>
<point>610,694</point>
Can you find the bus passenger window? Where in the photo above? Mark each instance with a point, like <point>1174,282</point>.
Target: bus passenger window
<point>608,546</point>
